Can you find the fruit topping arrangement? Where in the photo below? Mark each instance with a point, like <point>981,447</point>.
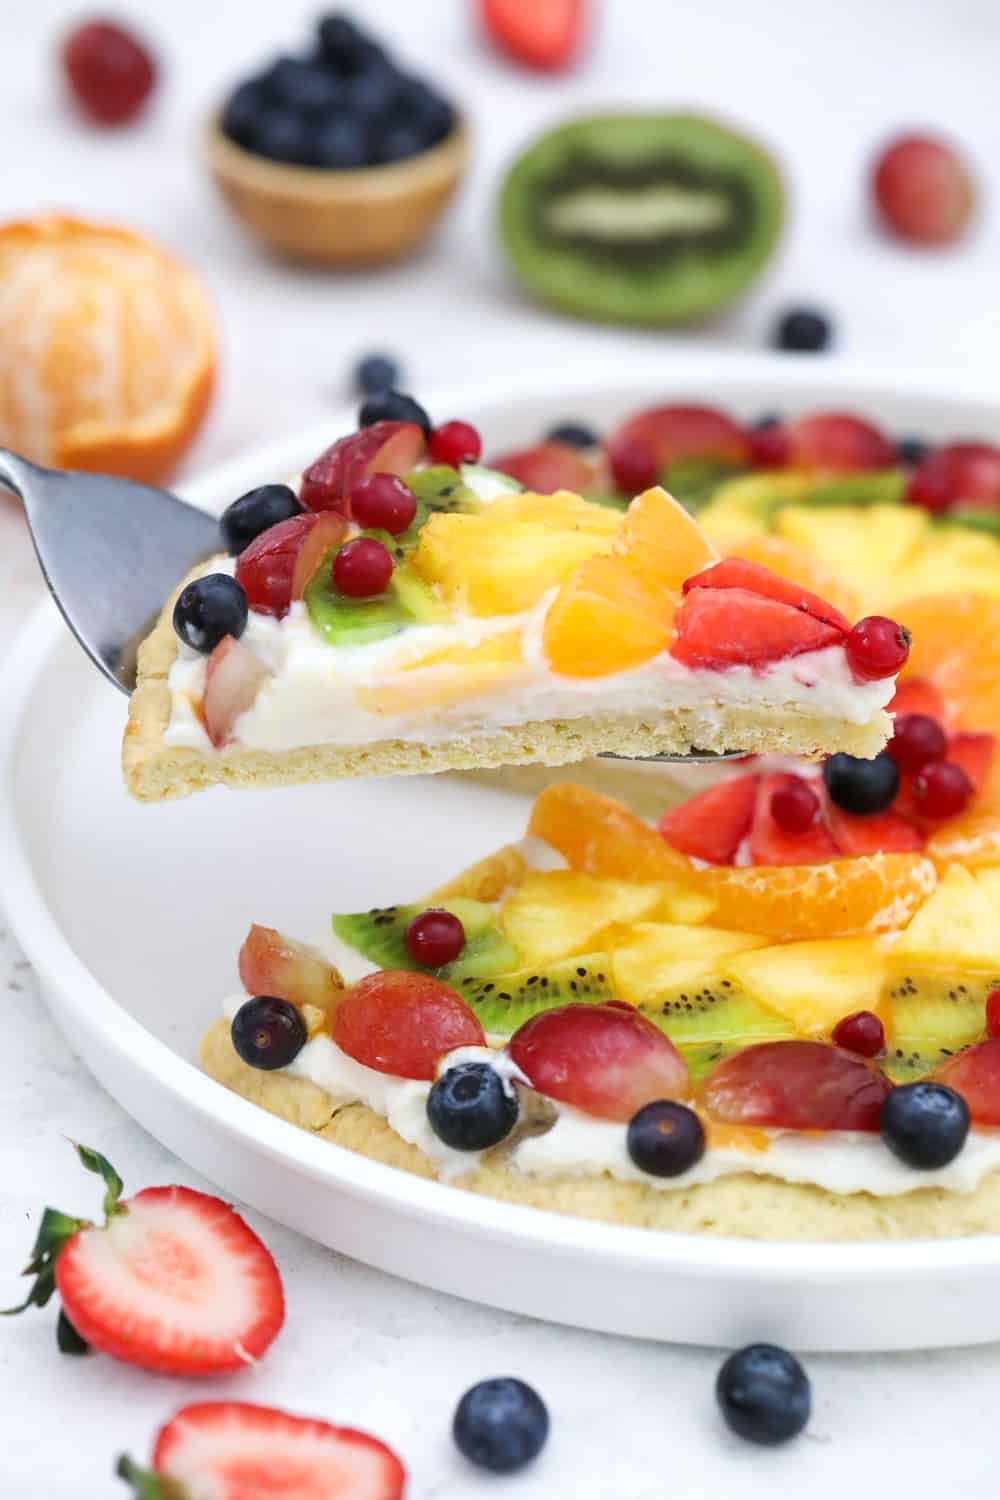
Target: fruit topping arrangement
<point>345,104</point>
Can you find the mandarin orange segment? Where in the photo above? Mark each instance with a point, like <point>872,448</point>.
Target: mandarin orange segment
<point>446,676</point>
<point>108,348</point>
<point>870,893</point>
<point>662,541</point>
<point>595,833</point>
<point>606,618</point>
<point>956,643</point>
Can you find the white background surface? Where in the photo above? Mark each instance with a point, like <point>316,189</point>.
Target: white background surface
<point>630,1421</point>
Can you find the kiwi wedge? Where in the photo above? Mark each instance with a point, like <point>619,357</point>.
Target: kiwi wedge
<point>504,1001</point>
<point>695,481</point>
<point>379,936</point>
<point>354,622</point>
<point>932,1014</point>
<point>974,518</point>
<point>641,218</point>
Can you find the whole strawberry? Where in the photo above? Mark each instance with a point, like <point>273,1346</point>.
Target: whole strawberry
<point>172,1281</point>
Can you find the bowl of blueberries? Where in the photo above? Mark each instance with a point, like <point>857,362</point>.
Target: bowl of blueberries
<point>337,157</point>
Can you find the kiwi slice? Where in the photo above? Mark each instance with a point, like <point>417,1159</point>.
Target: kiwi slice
<point>694,481</point>
<point>354,622</point>
<point>870,487</point>
<point>932,1014</point>
<point>504,1001</point>
<point>379,936</point>
<point>972,518</point>
<point>715,1011</point>
<point>489,484</point>
<point>641,218</point>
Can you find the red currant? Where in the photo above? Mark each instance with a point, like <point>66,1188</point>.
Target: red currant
<point>455,443</point>
<point>861,1032</point>
<point>633,465</point>
<point>362,569</point>
<point>877,647</point>
<point>993,1012</point>
<point>794,805</point>
<point>110,73</point>
<point>942,790</point>
<point>434,937</point>
<point>923,189</point>
<point>917,739</point>
<point>383,502</point>
<point>769,447</point>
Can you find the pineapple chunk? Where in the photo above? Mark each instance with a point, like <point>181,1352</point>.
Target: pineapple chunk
<point>867,546</point>
<point>814,984</point>
<point>497,567</point>
<point>950,563</point>
<point>957,925</point>
<point>562,510</point>
<point>654,959</point>
<point>557,913</point>
<point>447,676</point>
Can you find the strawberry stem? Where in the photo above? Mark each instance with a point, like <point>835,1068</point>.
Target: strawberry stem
<point>95,1162</point>
<point>145,1484</point>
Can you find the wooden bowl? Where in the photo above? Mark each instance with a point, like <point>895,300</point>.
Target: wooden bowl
<point>329,217</point>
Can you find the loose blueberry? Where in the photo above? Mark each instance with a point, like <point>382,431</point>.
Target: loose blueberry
<point>925,1124</point>
<point>393,406</point>
<point>345,47</point>
<point>397,142</point>
<point>862,787</point>
<point>209,609</point>
<point>912,451</point>
<point>417,102</point>
<point>242,111</point>
<point>471,1108</point>
<point>304,87</point>
<point>573,434</point>
<point>372,94</point>
<point>764,1394</point>
<point>267,1032</point>
<point>255,512</point>
<point>282,135</point>
<point>501,1425</point>
<point>665,1139</point>
<point>762,423</point>
<point>803,330</point>
<point>376,372</point>
<point>340,143</point>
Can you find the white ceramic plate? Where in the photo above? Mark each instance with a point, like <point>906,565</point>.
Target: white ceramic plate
<point>132,916</point>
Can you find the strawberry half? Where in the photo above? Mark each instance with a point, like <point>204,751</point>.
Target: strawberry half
<point>719,628</point>
<point>917,695</point>
<point>973,752</point>
<point>735,573</point>
<point>232,1450</point>
<point>878,833</point>
<point>549,467</point>
<point>173,1281</point>
<point>712,825</point>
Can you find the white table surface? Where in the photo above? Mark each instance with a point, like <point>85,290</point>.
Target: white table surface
<point>629,1421</point>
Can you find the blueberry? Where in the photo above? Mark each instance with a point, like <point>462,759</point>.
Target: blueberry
<point>471,1108</point>
<point>764,1394</point>
<point>422,106</point>
<point>397,143</point>
<point>574,434</point>
<point>665,1139</point>
<point>306,88</point>
<point>345,47</point>
<point>209,609</point>
<point>372,94</point>
<point>501,1425</point>
<point>766,421</point>
<point>376,372</point>
<point>267,1032</point>
<point>282,135</point>
<point>341,143</point>
<point>861,787</point>
<point>242,111</point>
<point>256,511</point>
<point>924,1124</point>
<point>802,329</point>
<point>393,406</point>
<point>912,451</point>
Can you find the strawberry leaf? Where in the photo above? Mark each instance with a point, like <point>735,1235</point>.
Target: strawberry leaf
<point>145,1484</point>
<point>68,1339</point>
<point>95,1162</point>
<point>53,1233</point>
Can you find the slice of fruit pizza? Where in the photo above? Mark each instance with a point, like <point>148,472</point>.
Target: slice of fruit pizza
<point>768,1035</point>
<point>366,624</point>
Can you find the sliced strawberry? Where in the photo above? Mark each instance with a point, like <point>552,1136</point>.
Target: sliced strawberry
<point>545,34</point>
<point>402,1023</point>
<point>735,573</point>
<point>327,534</point>
<point>904,803</point>
<point>712,825</point>
<point>605,1059</point>
<point>719,628</point>
<point>667,433</point>
<point>267,568</point>
<point>839,443</point>
<point>796,1086</point>
<point>174,1281</point>
<point>974,753</point>
<point>918,695</point>
<point>231,1450</point>
<point>233,678</point>
<point>975,1074</point>
<point>549,467</point>
<point>272,964</point>
<point>770,844</point>
<point>382,448</point>
<point>885,832</point>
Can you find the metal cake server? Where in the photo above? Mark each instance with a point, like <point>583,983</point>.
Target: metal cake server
<point>112,551</point>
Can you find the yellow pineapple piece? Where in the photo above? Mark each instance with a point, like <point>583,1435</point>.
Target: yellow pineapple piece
<point>556,913</point>
<point>869,547</point>
<point>491,566</point>
<point>814,984</point>
<point>950,562</point>
<point>562,510</point>
<point>446,676</point>
<point>662,541</point>
<point>651,960</point>
<point>957,925</point>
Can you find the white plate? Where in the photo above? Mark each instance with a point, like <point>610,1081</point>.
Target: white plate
<point>132,916</point>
